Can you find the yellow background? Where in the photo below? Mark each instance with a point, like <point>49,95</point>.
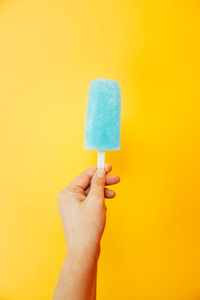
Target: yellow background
<point>49,53</point>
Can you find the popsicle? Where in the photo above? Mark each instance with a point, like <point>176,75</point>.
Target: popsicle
<point>103,118</point>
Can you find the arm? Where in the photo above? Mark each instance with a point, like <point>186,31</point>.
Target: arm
<point>76,278</point>
<point>83,213</point>
<point>94,281</point>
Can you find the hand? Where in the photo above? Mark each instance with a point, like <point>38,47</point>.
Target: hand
<point>83,212</point>
<point>82,208</point>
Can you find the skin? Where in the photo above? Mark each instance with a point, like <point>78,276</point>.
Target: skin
<point>82,209</point>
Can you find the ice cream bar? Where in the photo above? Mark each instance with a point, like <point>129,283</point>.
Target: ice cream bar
<point>103,119</point>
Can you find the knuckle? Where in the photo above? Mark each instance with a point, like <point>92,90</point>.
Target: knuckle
<point>99,180</point>
<point>62,194</point>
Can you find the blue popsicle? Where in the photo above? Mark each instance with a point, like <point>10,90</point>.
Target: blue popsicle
<point>103,119</point>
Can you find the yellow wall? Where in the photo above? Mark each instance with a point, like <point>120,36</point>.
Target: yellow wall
<point>49,52</point>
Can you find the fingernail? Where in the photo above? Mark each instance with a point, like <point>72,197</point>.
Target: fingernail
<point>100,173</point>
<point>107,166</point>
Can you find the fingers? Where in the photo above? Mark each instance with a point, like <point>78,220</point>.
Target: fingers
<point>97,185</point>
<point>110,180</point>
<point>84,179</point>
<point>107,193</point>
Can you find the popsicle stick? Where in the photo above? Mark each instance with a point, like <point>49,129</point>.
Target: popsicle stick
<point>100,159</point>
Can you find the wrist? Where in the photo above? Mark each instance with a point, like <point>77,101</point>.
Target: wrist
<point>79,248</point>
<point>84,255</point>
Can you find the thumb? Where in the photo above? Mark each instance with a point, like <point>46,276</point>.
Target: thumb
<point>97,184</point>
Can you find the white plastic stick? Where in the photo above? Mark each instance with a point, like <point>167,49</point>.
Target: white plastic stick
<point>100,159</point>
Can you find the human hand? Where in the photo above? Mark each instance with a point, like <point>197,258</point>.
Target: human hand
<point>83,212</point>
<point>82,208</point>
